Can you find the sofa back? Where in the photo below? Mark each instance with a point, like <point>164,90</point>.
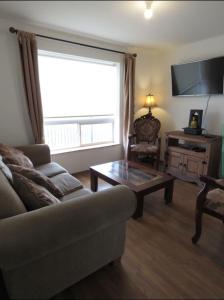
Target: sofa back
<point>10,203</point>
<point>39,154</point>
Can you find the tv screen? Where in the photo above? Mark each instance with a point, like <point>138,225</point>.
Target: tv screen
<point>198,78</point>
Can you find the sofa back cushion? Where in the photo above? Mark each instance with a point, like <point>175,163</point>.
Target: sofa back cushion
<point>14,156</point>
<point>10,203</point>
<point>33,195</point>
<point>38,178</point>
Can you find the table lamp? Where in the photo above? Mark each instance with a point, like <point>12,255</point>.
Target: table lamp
<point>150,102</point>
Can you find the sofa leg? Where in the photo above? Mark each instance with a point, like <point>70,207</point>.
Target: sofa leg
<point>115,262</point>
<point>3,292</point>
<point>198,220</point>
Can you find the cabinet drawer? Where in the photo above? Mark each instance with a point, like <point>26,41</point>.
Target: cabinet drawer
<point>200,155</point>
<point>175,163</point>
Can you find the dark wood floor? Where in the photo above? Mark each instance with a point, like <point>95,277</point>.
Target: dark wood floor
<point>160,261</point>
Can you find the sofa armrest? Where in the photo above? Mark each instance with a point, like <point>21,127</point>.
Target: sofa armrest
<point>38,153</point>
<point>32,235</point>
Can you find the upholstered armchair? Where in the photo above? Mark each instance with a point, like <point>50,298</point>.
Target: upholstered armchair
<point>210,201</point>
<point>145,140</point>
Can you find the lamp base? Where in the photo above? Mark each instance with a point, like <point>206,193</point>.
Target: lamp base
<point>149,114</point>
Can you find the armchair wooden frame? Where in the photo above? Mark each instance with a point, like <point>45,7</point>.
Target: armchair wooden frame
<point>141,135</point>
<point>209,183</point>
<point>156,154</point>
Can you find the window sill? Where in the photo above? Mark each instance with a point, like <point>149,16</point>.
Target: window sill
<point>60,151</point>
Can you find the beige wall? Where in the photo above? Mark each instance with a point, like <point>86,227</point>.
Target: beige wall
<point>215,115</point>
<point>14,121</point>
<point>177,108</point>
<point>152,75</point>
<point>14,125</point>
<point>173,112</point>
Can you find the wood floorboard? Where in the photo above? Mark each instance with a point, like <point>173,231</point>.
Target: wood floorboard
<point>160,261</point>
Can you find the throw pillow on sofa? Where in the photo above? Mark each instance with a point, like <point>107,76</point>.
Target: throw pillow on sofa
<point>5,170</point>
<point>33,195</point>
<point>38,178</point>
<point>14,156</point>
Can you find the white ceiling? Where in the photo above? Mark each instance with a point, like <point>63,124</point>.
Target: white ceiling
<point>173,22</point>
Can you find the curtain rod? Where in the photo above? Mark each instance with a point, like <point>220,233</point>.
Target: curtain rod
<point>13,30</point>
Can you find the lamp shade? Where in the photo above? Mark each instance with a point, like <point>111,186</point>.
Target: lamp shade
<point>149,101</point>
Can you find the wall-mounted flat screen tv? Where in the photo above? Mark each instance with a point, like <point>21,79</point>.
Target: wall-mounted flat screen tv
<point>198,78</point>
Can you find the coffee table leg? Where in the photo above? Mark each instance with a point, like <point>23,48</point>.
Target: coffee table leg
<point>93,181</point>
<point>168,195</point>
<point>139,210</point>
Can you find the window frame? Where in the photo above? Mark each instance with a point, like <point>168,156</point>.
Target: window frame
<point>96,119</point>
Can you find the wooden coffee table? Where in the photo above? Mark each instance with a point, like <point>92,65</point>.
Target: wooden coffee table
<point>140,179</point>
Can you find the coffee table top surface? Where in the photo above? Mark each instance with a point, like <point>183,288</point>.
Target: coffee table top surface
<point>134,175</point>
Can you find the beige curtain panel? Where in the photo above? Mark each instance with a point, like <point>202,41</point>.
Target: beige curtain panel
<point>129,98</point>
<point>29,58</point>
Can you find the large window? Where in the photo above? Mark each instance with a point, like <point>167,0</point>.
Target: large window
<point>80,100</point>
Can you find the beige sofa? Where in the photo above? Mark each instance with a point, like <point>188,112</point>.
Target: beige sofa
<point>47,250</point>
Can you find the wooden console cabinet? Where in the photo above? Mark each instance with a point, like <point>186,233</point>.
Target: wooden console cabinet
<point>190,156</point>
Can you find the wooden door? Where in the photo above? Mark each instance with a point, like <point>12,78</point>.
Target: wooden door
<point>175,163</point>
<point>192,167</point>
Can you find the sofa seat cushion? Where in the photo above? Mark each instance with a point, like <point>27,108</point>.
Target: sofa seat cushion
<point>51,169</point>
<point>66,183</point>
<point>215,201</point>
<point>14,156</point>
<point>78,193</point>
<point>39,178</point>
<point>33,195</point>
<point>10,203</point>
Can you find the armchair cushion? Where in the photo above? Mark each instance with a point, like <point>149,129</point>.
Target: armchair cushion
<point>146,128</point>
<point>220,181</point>
<point>212,182</point>
<point>215,201</point>
<point>145,148</point>
<point>33,196</point>
<point>51,169</point>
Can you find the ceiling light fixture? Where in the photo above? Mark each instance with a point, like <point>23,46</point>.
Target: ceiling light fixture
<point>148,10</point>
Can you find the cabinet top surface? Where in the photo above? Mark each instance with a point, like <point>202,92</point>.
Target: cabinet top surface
<point>178,134</point>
